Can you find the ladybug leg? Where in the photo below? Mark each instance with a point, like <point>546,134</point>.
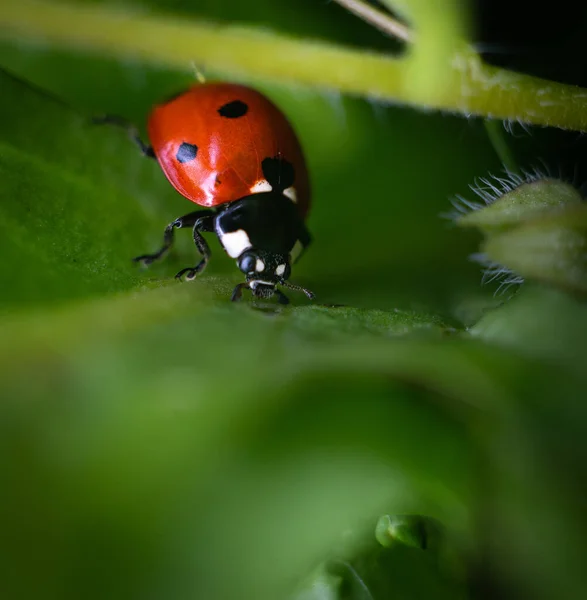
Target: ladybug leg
<point>237,293</point>
<point>188,220</point>
<point>131,130</point>
<point>203,223</point>
<point>299,288</point>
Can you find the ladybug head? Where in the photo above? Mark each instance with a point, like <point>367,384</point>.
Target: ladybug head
<point>264,270</point>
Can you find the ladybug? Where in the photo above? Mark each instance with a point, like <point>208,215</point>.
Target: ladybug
<point>229,149</point>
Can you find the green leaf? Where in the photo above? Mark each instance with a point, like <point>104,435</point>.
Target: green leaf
<point>69,232</point>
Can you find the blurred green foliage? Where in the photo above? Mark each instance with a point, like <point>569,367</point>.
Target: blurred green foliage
<point>157,441</point>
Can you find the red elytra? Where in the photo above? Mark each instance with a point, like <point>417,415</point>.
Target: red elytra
<point>230,129</point>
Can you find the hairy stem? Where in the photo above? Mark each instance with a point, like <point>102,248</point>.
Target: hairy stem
<point>470,87</point>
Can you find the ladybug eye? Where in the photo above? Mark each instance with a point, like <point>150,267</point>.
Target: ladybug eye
<point>247,262</point>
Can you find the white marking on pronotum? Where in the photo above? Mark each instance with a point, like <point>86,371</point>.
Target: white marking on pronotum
<point>261,186</point>
<point>291,193</point>
<point>235,242</point>
<point>259,265</point>
<point>295,252</point>
<point>280,270</point>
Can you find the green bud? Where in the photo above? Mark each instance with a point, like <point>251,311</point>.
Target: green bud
<point>513,201</point>
<point>423,533</point>
<point>410,530</point>
<point>551,249</point>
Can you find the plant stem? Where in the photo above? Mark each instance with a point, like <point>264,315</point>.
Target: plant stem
<point>469,87</point>
<point>495,132</point>
<point>378,19</point>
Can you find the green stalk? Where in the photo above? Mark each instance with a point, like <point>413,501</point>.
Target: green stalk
<point>466,87</point>
<point>495,133</point>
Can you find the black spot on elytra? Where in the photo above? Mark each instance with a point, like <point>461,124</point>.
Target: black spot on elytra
<point>278,172</point>
<point>186,152</point>
<point>233,110</point>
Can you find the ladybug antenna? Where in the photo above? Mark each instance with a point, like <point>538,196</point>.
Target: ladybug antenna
<point>299,288</point>
<point>131,130</point>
